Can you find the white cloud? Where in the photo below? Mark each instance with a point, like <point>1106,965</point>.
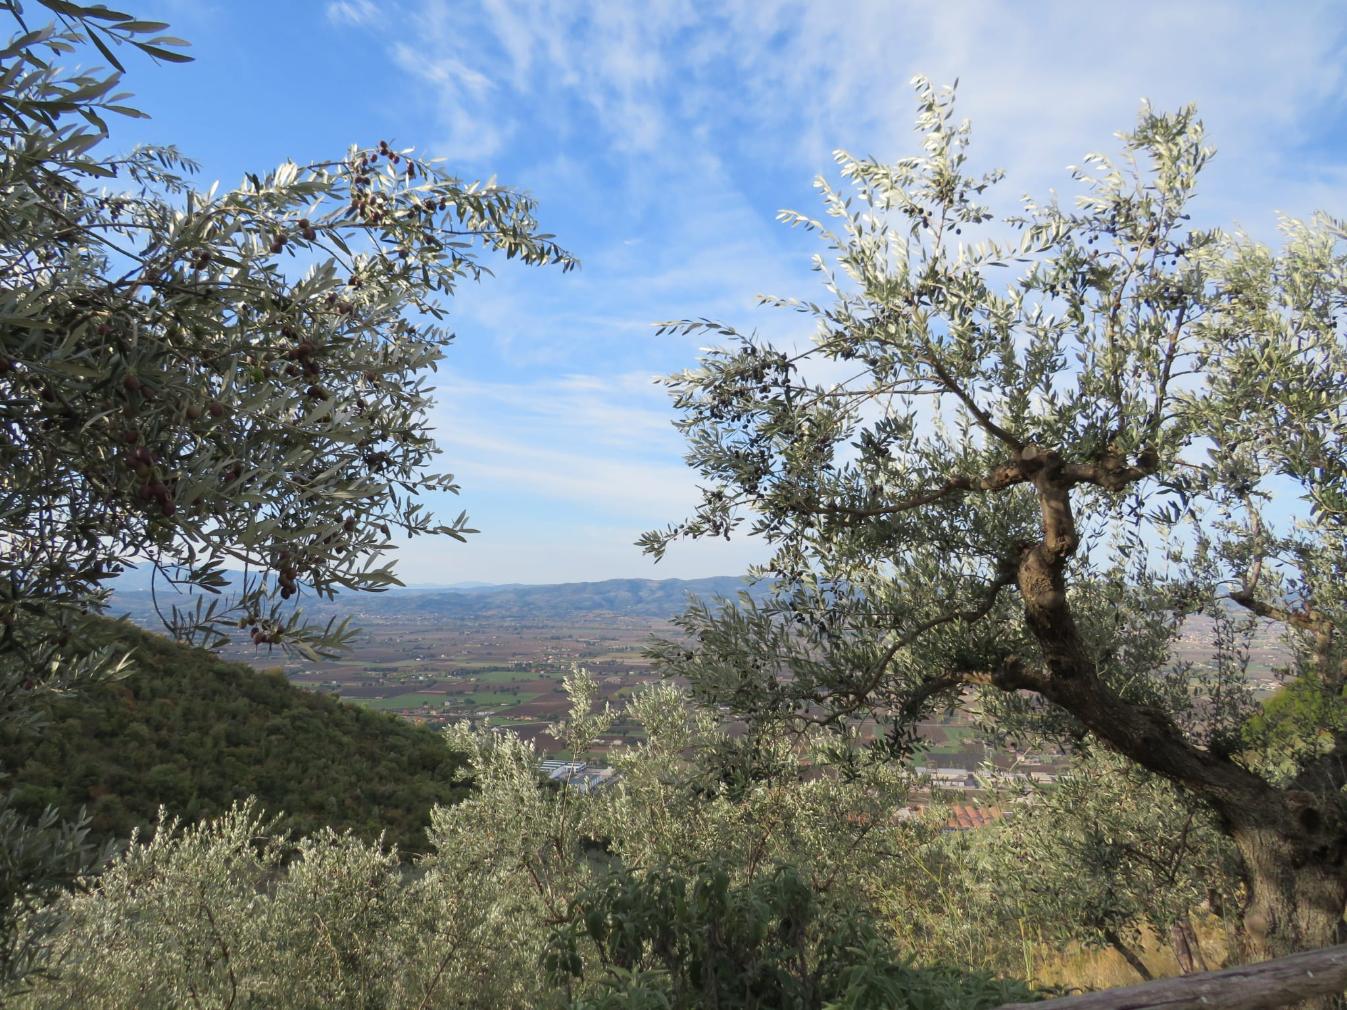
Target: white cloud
<point>614,487</point>
<point>580,439</point>
<point>1044,84</point>
<point>570,552</point>
<point>1044,81</point>
<point>562,475</point>
<point>352,12</point>
<point>461,92</point>
<point>772,84</point>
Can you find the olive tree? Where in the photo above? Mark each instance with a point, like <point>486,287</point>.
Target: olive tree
<point>1017,454</point>
<point>194,379</point>
<point>665,888</point>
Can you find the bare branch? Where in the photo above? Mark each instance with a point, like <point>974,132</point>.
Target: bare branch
<point>1304,619</point>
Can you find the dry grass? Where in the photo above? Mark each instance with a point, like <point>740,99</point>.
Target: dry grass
<point>1079,967</point>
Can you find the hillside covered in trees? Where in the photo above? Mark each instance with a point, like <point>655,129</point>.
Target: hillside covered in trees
<point>195,734</point>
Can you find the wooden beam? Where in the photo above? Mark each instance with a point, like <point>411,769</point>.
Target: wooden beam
<point>1261,986</point>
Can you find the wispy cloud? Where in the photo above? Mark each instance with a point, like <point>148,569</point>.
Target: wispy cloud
<point>625,415</point>
<point>796,79</point>
<point>462,94</point>
<point>352,12</point>
<point>661,138</point>
<point>569,552</point>
<point>562,476</point>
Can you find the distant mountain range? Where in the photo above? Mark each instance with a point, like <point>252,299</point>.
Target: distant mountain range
<point>138,580</point>
<point>625,597</point>
<point>657,598</point>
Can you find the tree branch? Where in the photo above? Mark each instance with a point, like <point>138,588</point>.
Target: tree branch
<point>1111,472</point>
<point>1128,954</point>
<point>984,419</point>
<point>1162,386</point>
<point>1143,733</point>
<point>999,479</point>
<point>1304,620</point>
<point>1006,577</point>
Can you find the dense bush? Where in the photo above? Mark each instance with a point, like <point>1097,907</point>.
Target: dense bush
<point>676,887</point>
<point>687,939</point>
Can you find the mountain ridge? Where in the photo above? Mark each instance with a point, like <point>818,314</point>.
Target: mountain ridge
<point>657,598</point>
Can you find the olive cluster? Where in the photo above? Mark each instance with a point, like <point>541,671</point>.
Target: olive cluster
<point>372,207</point>
<point>286,573</point>
<point>755,372</point>
<point>263,633</point>
<point>144,462</point>
<point>288,560</point>
<point>151,468</point>
<point>303,362</point>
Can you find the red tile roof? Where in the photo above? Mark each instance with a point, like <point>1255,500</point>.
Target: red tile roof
<point>967,817</point>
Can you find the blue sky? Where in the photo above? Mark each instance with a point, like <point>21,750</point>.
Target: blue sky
<point>660,140</point>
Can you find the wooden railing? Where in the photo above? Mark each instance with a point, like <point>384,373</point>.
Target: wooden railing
<point>1261,986</point>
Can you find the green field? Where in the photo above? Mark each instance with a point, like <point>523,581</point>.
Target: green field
<point>505,676</point>
<point>480,698</point>
<point>475,699</point>
<point>399,701</point>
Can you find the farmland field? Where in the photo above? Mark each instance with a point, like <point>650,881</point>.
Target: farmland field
<point>400,702</point>
<point>436,668</point>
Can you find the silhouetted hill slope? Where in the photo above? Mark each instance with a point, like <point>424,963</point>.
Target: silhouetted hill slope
<point>194,733</point>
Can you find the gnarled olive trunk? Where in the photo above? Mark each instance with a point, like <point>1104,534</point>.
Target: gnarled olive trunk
<point>1292,841</point>
<point>1297,893</point>
<point>1295,901</point>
